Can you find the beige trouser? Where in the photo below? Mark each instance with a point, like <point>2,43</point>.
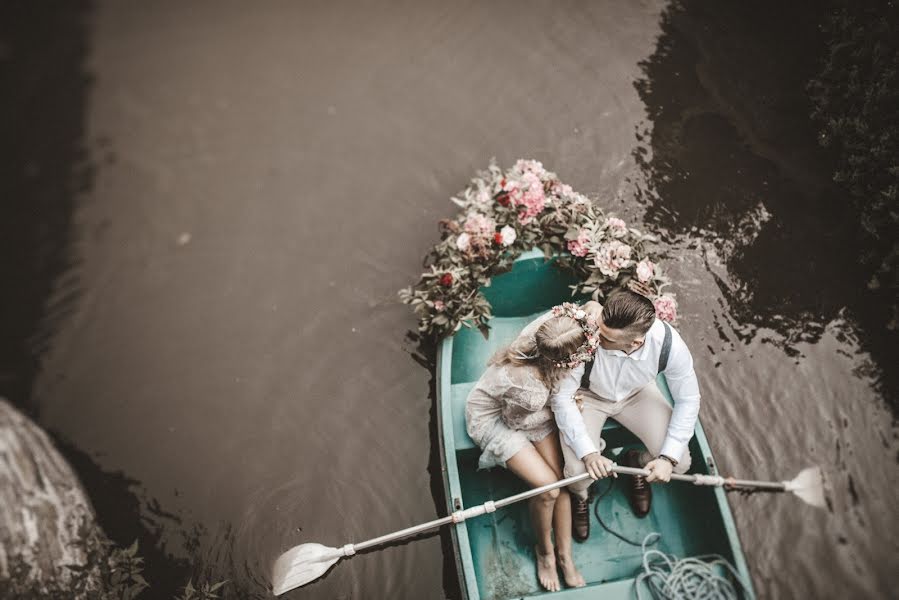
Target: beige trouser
<point>645,413</point>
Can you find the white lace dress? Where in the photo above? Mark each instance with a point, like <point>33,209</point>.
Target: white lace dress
<point>506,411</point>
<point>508,408</point>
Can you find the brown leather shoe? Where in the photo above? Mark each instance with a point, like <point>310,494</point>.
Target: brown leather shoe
<point>641,491</point>
<point>580,519</point>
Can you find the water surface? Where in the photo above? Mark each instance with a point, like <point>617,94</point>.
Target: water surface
<point>223,354</point>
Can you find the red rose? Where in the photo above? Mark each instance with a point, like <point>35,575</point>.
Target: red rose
<point>498,238</point>
<point>503,199</point>
<point>502,183</point>
<point>446,280</point>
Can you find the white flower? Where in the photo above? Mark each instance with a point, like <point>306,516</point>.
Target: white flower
<point>463,242</point>
<point>509,235</point>
<point>580,315</point>
<point>645,270</point>
<point>617,227</point>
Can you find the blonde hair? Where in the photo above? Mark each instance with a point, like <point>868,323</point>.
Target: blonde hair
<point>554,341</point>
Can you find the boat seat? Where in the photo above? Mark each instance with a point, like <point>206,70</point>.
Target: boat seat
<point>612,432</point>
<point>471,350</point>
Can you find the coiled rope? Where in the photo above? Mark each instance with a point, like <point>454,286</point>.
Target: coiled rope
<point>668,577</point>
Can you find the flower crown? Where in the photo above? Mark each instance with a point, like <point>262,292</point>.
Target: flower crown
<point>585,351</point>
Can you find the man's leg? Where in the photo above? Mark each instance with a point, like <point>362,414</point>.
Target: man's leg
<point>647,415</point>
<point>594,419</point>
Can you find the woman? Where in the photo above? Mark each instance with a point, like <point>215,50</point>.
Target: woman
<point>508,416</point>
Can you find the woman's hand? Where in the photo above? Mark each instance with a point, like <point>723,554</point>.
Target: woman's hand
<point>598,466</point>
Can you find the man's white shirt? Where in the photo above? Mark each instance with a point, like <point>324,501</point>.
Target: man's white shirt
<point>617,375</point>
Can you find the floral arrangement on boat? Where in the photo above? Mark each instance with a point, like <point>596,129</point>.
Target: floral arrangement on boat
<point>506,213</point>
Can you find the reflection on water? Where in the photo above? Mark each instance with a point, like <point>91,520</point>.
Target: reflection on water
<point>45,169</point>
<point>732,157</point>
<point>126,514</point>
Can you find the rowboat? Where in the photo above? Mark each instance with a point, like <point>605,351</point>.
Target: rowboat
<point>493,552</point>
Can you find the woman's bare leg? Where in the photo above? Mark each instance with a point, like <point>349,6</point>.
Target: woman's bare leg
<point>533,469</point>
<point>551,451</point>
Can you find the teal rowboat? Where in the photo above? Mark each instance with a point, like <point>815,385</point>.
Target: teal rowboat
<point>493,552</point>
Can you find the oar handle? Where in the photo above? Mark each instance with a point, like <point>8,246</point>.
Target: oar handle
<point>460,516</point>
<point>539,490</point>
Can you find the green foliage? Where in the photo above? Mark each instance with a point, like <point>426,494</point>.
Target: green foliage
<point>855,97</point>
<point>108,573</point>
<point>205,592</point>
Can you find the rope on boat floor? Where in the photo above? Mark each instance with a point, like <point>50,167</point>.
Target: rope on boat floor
<point>668,577</point>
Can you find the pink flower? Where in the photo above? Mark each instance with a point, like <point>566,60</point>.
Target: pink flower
<point>645,270</point>
<point>617,227</point>
<point>529,195</point>
<point>612,257</point>
<point>666,308</point>
<point>529,166</point>
<point>439,306</point>
<point>581,245</point>
<point>479,224</point>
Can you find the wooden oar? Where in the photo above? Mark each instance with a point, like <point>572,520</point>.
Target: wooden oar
<point>307,562</point>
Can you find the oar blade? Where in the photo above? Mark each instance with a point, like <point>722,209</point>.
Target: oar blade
<point>809,486</point>
<point>301,565</point>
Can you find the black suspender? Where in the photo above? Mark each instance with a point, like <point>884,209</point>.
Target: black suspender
<point>666,348</point>
<point>585,378</point>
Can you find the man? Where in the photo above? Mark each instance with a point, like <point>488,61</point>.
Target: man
<point>634,348</point>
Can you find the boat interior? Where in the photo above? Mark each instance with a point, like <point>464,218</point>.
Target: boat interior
<point>497,549</point>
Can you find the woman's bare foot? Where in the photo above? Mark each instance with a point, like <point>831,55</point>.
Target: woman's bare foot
<point>572,576</point>
<point>546,571</point>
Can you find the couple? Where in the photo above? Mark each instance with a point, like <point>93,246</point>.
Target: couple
<point>526,401</point>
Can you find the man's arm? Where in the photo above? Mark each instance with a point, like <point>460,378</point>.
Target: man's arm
<point>568,417</point>
<point>685,391</point>
<point>574,430</point>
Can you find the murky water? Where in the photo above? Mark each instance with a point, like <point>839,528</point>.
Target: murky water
<point>209,235</point>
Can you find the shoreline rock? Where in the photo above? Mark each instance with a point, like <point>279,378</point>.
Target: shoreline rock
<point>45,514</point>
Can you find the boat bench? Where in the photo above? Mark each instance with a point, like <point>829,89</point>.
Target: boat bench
<point>470,363</point>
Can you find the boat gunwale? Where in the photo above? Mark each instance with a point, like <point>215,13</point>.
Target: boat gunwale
<point>450,470</point>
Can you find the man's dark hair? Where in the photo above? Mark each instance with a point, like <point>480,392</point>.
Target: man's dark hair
<point>628,311</point>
